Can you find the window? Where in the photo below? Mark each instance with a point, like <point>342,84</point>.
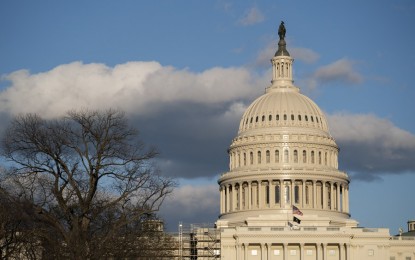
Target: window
<point>277,156</point>
<point>296,194</point>
<point>277,194</point>
<point>244,159</point>
<point>295,156</point>
<point>252,119</point>
<point>243,196</point>
<point>256,119</point>
<point>299,117</point>
<point>263,118</point>
<point>267,154</point>
<point>325,158</point>
<point>306,118</point>
<point>304,156</point>
<point>312,156</point>
<point>307,196</point>
<point>292,117</point>
<point>312,119</point>
<point>269,118</point>
<point>278,117</point>
<point>259,157</point>
<point>317,119</point>
<point>285,117</point>
<point>267,194</point>
<point>286,159</point>
<point>251,158</point>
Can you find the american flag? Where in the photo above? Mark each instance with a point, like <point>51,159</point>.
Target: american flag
<point>297,211</point>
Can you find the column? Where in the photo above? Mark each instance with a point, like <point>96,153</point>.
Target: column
<point>314,194</point>
<point>324,195</point>
<point>249,195</point>
<point>347,199</point>
<point>347,251</point>
<point>282,190</point>
<point>262,249</point>
<point>318,251</point>
<point>271,194</point>
<point>341,251</point>
<point>302,251</point>
<point>221,200</point>
<point>343,196</point>
<point>245,251</point>
<point>331,196</point>
<point>227,199</point>
<point>260,195</point>
<point>285,249</point>
<point>292,192</point>
<point>338,196</point>
<point>233,196</point>
<point>240,196</point>
<point>324,252</point>
<point>268,250</point>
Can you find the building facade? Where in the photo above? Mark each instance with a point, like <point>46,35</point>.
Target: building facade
<point>284,196</point>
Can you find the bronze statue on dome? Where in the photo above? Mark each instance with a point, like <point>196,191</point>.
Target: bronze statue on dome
<point>281,31</point>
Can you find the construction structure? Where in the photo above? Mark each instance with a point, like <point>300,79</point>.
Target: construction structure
<point>198,242</point>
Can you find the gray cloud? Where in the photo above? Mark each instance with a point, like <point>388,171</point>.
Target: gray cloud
<point>252,16</point>
<point>372,146</point>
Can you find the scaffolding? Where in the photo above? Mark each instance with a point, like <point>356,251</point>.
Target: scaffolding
<point>198,242</point>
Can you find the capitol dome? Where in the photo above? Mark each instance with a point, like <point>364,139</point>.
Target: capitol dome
<point>283,156</point>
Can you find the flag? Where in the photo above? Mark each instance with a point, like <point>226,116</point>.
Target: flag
<point>297,220</point>
<point>297,211</point>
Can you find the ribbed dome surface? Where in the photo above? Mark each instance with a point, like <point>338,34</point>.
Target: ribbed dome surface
<point>278,108</point>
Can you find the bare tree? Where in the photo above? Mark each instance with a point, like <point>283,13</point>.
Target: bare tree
<point>87,176</point>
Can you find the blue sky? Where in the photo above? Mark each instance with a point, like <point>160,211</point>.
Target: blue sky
<point>184,71</point>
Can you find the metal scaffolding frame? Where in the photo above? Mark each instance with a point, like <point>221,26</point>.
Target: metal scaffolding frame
<point>198,242</point>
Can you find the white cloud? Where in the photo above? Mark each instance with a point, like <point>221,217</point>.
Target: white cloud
<point>340,70</point>
<point>304,54</point>
<point>192,204</point>
<point>141,87</point>
<point>252,16</point>
<point>371,145</point>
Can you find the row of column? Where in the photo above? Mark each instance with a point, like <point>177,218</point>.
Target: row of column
<point>320,251</point>
<point>293,155</point>
<point>284,193</point>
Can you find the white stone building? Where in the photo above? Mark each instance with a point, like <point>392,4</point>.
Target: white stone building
<point>283,159</point>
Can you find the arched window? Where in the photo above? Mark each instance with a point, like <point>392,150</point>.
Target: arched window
<point>239,160</point>
<point>295,156</point>
<point>267,154</point>
<point>251,158</point>
<point>304,156</point>
<point>325,158</point>
<point>286,159</point>
<point>292,117</point>
<point>263,118</point>
<point>259,157</point>
<point>252,119</point>
<point>317,119</point>
<point>307,195</point>
<point>277,156</point>
<point>299,117</point>
<point>312,120</point>
<point>285,117</point>
<point>244,159</point>
<point>256,119</point>
<point>243,197</point>
<point>277,194</point>
<point>278,117</point>
<point>270,118</point>
<point>312,156</point>
<point>306,118</point>
<point>296,194</point>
